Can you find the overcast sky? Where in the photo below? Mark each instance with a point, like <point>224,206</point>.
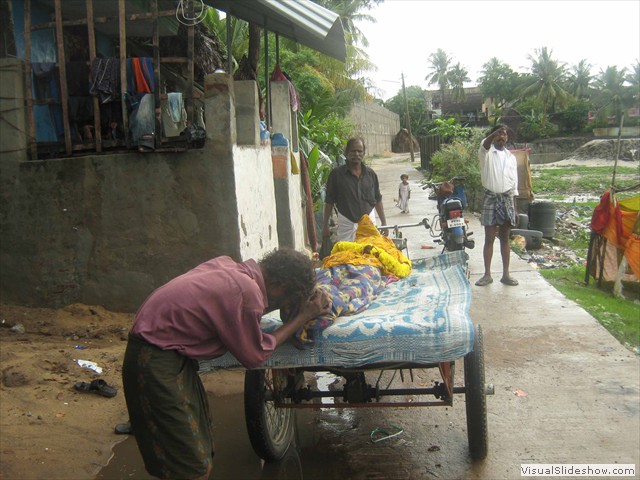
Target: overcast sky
<point>604,32</point>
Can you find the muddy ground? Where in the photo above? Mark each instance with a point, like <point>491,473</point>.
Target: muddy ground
<point>49,429</point>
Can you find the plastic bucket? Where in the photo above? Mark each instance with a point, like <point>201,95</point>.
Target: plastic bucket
<point>542,217</point>
<point>524,221</point>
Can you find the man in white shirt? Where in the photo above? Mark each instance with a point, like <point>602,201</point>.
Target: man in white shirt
<point>499,174</point>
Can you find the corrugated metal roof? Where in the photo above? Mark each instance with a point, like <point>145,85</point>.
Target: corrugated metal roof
<point>303,21</point>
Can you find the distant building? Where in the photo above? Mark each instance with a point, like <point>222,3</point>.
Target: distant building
<point>473,110</point>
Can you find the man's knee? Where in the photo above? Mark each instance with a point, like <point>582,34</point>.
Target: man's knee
<point>489,235</point>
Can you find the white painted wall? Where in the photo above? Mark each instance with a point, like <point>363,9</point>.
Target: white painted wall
<point>256,201</point>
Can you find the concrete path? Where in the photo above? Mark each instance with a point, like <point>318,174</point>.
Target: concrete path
<point>580,400</point>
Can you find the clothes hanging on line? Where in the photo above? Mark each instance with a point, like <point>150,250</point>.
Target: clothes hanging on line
<point>174,115</point>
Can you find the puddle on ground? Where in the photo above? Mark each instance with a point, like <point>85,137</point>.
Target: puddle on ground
<point>235,458</point>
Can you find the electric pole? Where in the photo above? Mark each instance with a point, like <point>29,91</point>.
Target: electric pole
<point>407,118</point>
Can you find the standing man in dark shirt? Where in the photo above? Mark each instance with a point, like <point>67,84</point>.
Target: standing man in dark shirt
<point>355,191</point>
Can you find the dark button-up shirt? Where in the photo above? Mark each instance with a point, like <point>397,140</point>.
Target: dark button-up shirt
<point>353,196</point>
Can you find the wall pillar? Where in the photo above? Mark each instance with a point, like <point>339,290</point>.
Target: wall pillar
<point>247,112</point>
<point>220,113</point>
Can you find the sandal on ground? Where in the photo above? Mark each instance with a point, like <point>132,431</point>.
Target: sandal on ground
<point>98,386</point>
<point>509,281</point>
<point>484,281</point>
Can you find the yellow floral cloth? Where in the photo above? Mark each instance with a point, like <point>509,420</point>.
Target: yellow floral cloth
<point>370,248</point>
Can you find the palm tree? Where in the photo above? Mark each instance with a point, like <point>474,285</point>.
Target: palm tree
<point>547,78</point>
<point>439,63</point>
<point>351,74</point>
<point>613,95</point>
<point>350,12</point>
<point>580,79</point>
<point>634,80</point>
<point>239,38</point>
<point>458,75</point>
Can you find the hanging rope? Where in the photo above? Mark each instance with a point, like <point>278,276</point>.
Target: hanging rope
<point>182,17</point>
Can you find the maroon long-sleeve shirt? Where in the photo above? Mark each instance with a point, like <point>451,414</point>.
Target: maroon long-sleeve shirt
<point>214,308</point>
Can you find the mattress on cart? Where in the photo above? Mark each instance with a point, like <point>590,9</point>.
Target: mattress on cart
<point>423,318</point>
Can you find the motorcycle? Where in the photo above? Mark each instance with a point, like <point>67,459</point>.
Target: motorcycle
<point>449,227</point>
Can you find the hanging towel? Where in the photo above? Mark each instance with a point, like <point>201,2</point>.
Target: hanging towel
<point>141,83</point>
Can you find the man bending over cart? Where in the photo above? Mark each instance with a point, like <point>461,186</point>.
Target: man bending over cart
<point>200,315</point>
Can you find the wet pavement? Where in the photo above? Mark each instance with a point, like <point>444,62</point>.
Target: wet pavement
<point>566,391</point>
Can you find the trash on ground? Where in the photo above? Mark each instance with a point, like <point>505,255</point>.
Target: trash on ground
<point>18,328</point>
<point>379,434</point>
<point>90,365</point>
<point>520,393</point>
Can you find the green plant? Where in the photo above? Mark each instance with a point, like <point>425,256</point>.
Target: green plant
<point>319,168</point>
<point>461,159</point>
<point>575,117</point>
<point>535,126</point>
<point>449,130</point>
<point>326,130</point>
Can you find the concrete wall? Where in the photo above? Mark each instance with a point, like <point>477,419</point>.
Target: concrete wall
<point>377,125</point>
<point>108,229</point>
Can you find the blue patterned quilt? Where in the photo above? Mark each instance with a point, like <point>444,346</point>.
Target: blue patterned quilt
<point>423,318</point>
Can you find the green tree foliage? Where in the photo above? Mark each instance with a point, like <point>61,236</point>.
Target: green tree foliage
<point>350,12</point>
<point>461,158</point>
<point>458,75</point>
<point>417,109</point>
<point>574,118</point>
<point>534,126</point>
<point>439,62</point>
<point>239,34</point>
<point>579,80</point>
<point>633,78</point>
<point>498,82</point>
<point>449,130</point>
<point>613,97</point>
<point>546,82</point>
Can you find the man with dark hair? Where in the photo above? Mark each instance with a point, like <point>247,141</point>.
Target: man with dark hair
<point>499,175</point>
<point>210,310</point>
<point>355,191</point>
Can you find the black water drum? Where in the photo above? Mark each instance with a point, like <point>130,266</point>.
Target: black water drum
<point>542,217</point>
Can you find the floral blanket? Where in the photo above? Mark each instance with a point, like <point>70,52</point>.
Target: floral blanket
<point>351,289</point>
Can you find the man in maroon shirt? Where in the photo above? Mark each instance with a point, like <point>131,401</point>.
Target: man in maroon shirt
<point>210,310</point>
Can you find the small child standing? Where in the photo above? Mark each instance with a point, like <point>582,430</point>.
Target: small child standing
<point>404,193</point>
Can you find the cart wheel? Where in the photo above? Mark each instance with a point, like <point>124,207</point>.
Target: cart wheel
<point>270,429</point>
<point>475,397</point>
